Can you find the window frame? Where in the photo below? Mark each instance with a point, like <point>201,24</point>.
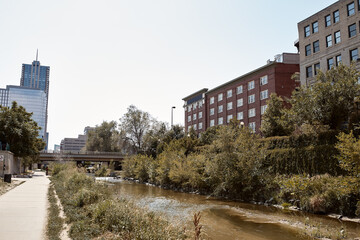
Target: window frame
<point>240,114</point>
<point>229,106</point>
<point>240,100</point>
<point>194,116</point>
<point>329,66</point>
<point>220,97</point>
<point>264,80</point>
<point>212,123</point>
<point>315,27</point>
<point>308,50</point>
<point>352,32</point>
<point>200,115</point>
<point>239,89</point>
<point>263,109</point>
<point>317,47</point>
<point>251,97</point>
<point>352,56</point>
<point>336,18</point>
<point>328,21</point>
<point>307,31</point>
<point>337,39</point>
<point>337,62</point>
<point>329,42</point>
<point>189,118</point>
<point>316,68</point>
<point>252,113</point>
<point>212,111</point>
<point>222,121</point>
<point>309,72</point>
<point>220,109</point>
<point>351,11</point>
<point>263,95</point>
<point>229,93</point>
<point>212,100</point>
<point>251,85</point>
<point>229,117</point>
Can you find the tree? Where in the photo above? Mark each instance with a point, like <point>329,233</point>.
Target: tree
<point>20,131</point>
<point>349,153</point>
<point>134,124</point>
<point>104,138</point>
<point>329,101</point>
<point>275,120</point>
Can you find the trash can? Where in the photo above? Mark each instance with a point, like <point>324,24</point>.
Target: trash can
<point>7,178</point>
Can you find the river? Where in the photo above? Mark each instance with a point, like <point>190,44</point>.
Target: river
<point>231,220</point>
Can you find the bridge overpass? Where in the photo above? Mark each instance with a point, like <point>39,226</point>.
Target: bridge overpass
<point>47,157</point>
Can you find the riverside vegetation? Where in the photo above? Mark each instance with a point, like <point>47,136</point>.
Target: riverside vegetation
<point>308,156</point>
<point>93,212</point>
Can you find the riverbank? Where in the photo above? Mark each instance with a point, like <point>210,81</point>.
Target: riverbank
<point>92,211</point>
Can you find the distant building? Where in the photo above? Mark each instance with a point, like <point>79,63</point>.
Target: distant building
<point>33,100</point>
<point>75,144</point>
<point>56,148</point>
<point>328,38</point>
<point>243,98</point>
<point>35,76</point>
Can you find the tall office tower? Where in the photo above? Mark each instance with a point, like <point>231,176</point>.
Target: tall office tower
<point>37,77</point>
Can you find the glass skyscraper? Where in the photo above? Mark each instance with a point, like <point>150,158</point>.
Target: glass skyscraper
<point>32,94</point>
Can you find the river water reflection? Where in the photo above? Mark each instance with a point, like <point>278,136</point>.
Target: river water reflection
<point>226,219</point>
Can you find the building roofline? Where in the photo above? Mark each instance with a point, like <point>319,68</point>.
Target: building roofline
<point>272,63</point>
<point>196,93</point>
<point>318,12</point>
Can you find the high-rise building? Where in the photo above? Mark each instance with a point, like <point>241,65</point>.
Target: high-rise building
<point>35,76</point>
<point>328,38</point>
<point>33,100</point>
<point>244,98</point>
<point>32,94</point>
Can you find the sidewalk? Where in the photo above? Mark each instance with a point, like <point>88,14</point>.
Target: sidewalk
<point>23,209</point>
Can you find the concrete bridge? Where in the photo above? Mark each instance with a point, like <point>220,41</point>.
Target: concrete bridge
<point>116,157</point>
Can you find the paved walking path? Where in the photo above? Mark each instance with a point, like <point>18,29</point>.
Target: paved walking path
<point>23,209</point>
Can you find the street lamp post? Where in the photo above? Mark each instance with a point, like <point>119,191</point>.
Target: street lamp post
<point>172,108</point>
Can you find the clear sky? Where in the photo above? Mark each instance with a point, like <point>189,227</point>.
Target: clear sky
<point>106,55</point>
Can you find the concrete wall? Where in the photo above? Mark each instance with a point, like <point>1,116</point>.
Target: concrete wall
<point>12,165</point>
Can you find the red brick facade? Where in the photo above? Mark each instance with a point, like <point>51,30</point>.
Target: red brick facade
<point>217,111</point>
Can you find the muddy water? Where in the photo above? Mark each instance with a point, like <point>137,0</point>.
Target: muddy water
<point>229,220</point>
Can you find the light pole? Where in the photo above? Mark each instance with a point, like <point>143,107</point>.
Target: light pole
<point>172,108</point>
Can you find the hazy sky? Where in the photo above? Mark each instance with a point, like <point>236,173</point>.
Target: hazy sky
<point>106,55</point>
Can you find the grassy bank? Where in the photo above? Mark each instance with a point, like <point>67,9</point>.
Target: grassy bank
<point>302,171</point>
<point>93,211</point>
<point>55,222</point>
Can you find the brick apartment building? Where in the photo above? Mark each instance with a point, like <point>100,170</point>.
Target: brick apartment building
<point>328,38</point>
<point>243,98</point>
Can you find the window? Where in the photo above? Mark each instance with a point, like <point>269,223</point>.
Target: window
<point>338,60</point>
<point>307,31</point>
<point>252,112</point>
<point>229,106</point>
<point>327,20</point>
<point>240,116</point>
<point>329,41</point>
<point>212,123</point>
<point>359,4</point>
<point>309,73</point>
<point>352,30</point>
<point>252,126</point>
<point>308,50</point>
<point>200,104</point>
<point>351,9</point>
<point>220,109</point>
<point>354,55</point>
<point>220,121</point>
<point>240,102</point>
<point>239,89</point>
<point>316,46</point>
<point>263,109</point>
<point>263,80</point>
<point>228,118</point>
<point>212,111</point>
<point>251,85</point>
<point>189,108</point>
<point>200,115</point>
<point>189,128</point>
<point>195,105</point>
<point>220,97</point>
<point>212,100</point>
<point>189,118</point>
<point>315,27</point>
<point>337,37</point>
<point>330,63</point>
<point>316,68</point>
<point>264,94</point>
<point>194,116</point>
<point>194,126</point>
<point>229,93</point>
<point>200,125</point>
<point>336,16</point>
<point>251,98</point>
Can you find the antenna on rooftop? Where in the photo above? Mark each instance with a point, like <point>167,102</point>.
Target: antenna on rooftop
<point>37,51</point>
